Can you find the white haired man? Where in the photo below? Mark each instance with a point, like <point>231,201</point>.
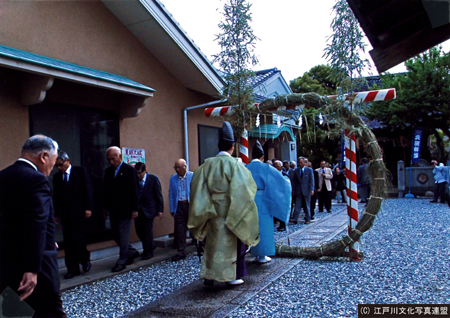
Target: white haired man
<point>121,204</point>
<point>28,256</point>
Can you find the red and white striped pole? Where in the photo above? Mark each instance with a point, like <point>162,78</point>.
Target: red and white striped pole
<point>219,111</point>
<point>352,189</point>
<point>243,149</point>
<point>370,96</point>
<point>363,97</point>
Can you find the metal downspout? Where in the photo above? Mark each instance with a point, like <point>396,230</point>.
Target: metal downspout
<point>185,124</point>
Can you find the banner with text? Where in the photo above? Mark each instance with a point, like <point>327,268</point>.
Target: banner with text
<point>416,144</point>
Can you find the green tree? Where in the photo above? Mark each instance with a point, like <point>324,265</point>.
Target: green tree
<point>314,142</point>
<point>423,98</point>
<point>237,43</point>
<point>344,52</point>
<point>316,80</point>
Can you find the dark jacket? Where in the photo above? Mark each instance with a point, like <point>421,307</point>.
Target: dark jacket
<point>303,185</point>
<point>151,199</point>
<point>27,229</point>
<point>339,182</point>
<point>121,192</point>
<point>73,198</point>
<point>316,179</point>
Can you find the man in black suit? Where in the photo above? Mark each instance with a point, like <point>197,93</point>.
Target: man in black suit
<point>28,256</point>
<point>72,195</point>
<point>316,192</point>
<point>121,204</point>
<point>303,185</point>
<point>151,204</point>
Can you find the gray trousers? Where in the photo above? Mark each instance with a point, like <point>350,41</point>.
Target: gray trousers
<point>121,233</point>
<point>302,201</point>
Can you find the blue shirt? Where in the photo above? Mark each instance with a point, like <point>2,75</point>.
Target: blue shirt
<point>182,188</point>
<point>117,169</point>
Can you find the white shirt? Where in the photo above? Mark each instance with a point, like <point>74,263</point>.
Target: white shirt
<point>144,178</point>
<point>67,172</point>
<point>29,162</point>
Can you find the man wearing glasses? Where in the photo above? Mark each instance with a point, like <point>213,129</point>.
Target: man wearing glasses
<point>179,192</point>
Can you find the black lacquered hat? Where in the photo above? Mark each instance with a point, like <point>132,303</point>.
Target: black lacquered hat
<point>227,132</point>
<point>257,151</point>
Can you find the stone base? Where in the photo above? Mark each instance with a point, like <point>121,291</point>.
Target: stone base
<point>167,242</point>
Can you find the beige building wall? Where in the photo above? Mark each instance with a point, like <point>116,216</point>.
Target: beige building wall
<point>88,34</point>
<point>14,123</point>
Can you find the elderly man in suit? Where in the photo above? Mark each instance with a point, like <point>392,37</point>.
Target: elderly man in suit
<point>303,187</point>
<point>72,195</point>
<point>325,176</point>
<point>121,204</point>
<point>151,205</point>
<point>179,194</point>
<point>28,256</point>
<point>316,192</point>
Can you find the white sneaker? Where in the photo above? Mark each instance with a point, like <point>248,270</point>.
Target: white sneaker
<point>235,282</point>
<point>264,259</point>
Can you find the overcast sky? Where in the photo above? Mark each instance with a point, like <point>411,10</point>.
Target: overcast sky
<point>293,33</point>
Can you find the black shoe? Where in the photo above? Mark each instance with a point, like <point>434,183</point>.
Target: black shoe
<point>178,257</point>
<point>130,259</point>
<point>118,268</point>
<point>312,218</point>
<point>70,275</point>
<point>281,229</point>
<point>434,201</point>
<point>320,211</point>
<point>87,266</point>
<point>329,211</point>
<point>293,222</point>
<point>146,256</point>
<point>208,282</point>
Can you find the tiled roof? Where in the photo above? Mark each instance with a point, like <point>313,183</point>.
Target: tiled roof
<point>69,67</point>
<point>262,76</point>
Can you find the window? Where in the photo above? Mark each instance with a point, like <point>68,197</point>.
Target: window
<point>208,140</point>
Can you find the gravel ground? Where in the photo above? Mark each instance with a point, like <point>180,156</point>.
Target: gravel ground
<point>121,294</point>
<point>406,262</point>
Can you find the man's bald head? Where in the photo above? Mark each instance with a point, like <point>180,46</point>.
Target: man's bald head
<point>180,167</point>
<point>114,155</point>
<point>278,165</point>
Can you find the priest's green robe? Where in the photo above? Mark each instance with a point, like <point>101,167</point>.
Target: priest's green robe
<point>222,209</point>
